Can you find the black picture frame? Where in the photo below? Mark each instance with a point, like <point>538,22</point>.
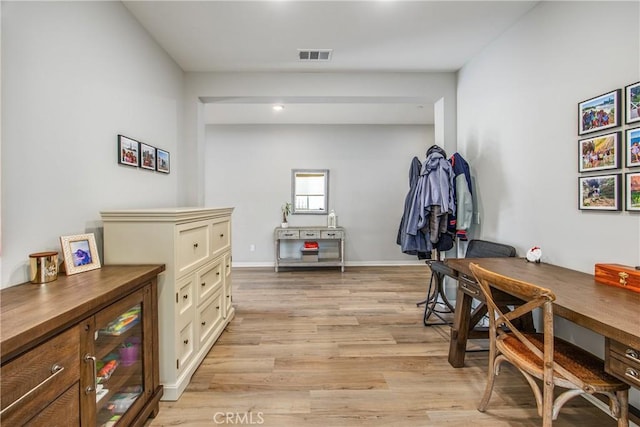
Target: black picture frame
<point>163,161</point>
<point>601,152</point>
<point>632,103</point>
<point>632,147</point>
<point>600,192</point>
<point>147,156</point>
<point>128,151</point>
<point>632,191</point>
<point>599,113</point>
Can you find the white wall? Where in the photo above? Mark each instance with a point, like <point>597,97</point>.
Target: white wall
<point>74,76</point>
<point>428,86</point>
<point>249,167</point>
<point>517,127</point>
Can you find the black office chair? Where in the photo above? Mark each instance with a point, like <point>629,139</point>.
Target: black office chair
<point>435,292</point>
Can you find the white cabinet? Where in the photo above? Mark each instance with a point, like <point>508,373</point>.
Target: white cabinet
<point>195,292</point>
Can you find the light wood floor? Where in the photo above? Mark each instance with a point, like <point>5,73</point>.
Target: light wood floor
<point>324,348</point>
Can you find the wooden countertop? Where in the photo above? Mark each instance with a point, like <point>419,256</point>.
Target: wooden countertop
<point>31,313</point>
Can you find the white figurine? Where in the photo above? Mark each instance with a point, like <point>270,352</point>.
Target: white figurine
<point>534,254</point>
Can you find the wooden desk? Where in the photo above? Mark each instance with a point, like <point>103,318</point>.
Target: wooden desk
<point>606,310</point>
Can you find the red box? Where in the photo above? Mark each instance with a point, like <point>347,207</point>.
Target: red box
<point>622,276</point>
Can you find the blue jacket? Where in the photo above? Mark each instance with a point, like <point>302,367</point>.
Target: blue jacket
<point>460,221</point>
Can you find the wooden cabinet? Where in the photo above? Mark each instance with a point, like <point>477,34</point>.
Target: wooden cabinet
<point>289,243</point>
<point>195,290</point>
<point>57,337</point>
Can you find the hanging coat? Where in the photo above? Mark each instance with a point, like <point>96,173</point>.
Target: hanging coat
<point>411,244</point>
<point>461,220</point>
<point>435,188</point>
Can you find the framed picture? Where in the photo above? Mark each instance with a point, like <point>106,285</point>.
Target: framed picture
<point>632,144</point>
<point>147,157</point>
<point>601,193</point>
<point>163,163</point>
<point>600,152</point>
<point>599,113</point>
<point>632,103</point>
<point>80,253</point>
<point>632,191</point>
<point>128,151</point>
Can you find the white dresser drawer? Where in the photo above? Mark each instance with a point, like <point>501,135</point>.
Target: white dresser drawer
<point>193,245</point>
<point>331,234</point>
<point>184,346</point>
<point>220,237</point>
<point>288,234</point>
<point>210,317</point>
<point>209,279</point>
<point>184,295</point>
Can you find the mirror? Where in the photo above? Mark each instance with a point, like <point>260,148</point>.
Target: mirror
<point>310,191</point>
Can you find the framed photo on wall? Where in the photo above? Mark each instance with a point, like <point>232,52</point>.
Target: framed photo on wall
<point>80,253</point>
<point>599,113</point>
<point>632,191</point>
<point>147,157</point>
<point>632,147</point>
<point>600,152</point>
<point>163,161</point>
<point>128,151</point>
<point>601,192</point>
<point>632,102</point>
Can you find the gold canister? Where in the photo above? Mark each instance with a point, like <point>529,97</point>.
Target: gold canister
<point>43,267</point>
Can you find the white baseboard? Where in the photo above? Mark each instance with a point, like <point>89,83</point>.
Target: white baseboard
<point>241,264</point>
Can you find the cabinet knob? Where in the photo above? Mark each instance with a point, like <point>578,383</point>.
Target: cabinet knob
<point>203,284</point>
<point>203,323</point>
<point>195,245</point>
<point>217,307</point>
<point>217,273</point>
<point>221,236</point>
<point>186,341</point>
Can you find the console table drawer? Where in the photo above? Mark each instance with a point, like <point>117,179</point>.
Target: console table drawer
<point>331,234</point>
<point>470,287</point>
<point>623,361</point>
<point>309,234</point>
<point>288,234</point>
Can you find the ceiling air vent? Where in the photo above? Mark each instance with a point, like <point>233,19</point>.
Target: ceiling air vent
<point>313,55</point>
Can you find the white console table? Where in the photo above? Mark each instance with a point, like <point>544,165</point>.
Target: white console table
<point>290,241</point>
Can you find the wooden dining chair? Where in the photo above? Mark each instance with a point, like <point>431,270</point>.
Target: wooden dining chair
<point>541,356</point>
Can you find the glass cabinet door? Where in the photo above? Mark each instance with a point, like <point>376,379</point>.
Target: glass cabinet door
<point>117,361</point>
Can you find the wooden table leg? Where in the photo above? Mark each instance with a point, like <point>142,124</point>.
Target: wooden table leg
<point>460,329</point>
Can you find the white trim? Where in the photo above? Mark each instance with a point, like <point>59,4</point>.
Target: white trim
<point>241,264</point>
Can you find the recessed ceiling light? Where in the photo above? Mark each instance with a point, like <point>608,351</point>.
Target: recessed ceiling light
<point>278,107</point>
